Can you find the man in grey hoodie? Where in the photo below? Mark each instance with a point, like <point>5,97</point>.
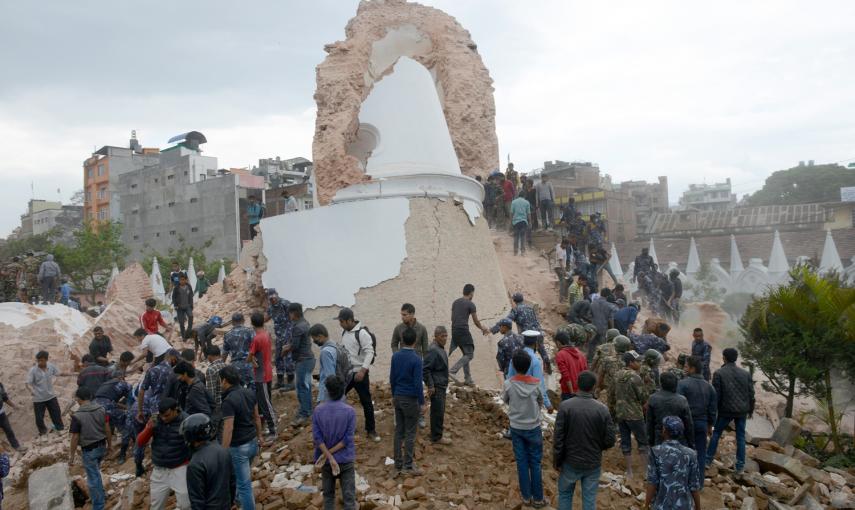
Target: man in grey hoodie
<point>90,430</point>
<point>49,274</point>
<point>523,396</point>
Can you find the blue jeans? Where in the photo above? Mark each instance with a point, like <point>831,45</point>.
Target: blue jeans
<point>720,423</point>
<point>528,452</point>
<point>242,456</point>
<point>520,230</point>
<point>590,479</point>
<point>92,465</point>
<point>700,428</point>
<point>304,386</point>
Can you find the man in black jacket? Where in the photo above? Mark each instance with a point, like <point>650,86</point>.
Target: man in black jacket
<point>435,371</point>
<point>666,402</point>
<point>182,300</point>
<point>735,391</point>
<point>703,403</point>
<point>196,398</point>
<point>583,430</point>
<point>210,481</point>
<point>169,454</point>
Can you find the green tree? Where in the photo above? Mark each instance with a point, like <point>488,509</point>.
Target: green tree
<point>803,184</point>
<point>811,318</point>
<point>37,243</point>
<point>181,254</point>
<point>89,260</point>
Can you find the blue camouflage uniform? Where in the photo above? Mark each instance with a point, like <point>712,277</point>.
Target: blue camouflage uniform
<point>108,396</point>
<point>647,341</point>
<point>525,318</point>
<point>673,469</point>
<point>505,349</point>
<point>236,348</point>
<point>282,324</point>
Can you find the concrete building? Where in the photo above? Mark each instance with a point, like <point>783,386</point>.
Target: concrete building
<point>708,197</point>
<point>185,198</point>
<point>648,197</point>
<point>293,175</point>
<point>101,172</point>
<point>45,216</point>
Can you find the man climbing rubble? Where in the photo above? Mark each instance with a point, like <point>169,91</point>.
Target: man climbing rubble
<point>525,318</point>
<point>461,309</point>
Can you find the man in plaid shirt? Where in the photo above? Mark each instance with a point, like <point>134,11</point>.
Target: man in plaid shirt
<point>212,382</point>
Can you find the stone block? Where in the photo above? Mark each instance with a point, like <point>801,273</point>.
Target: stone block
<point>787,431</point>
<point>49,488</point>
<point>779,463</point>
<point>758,429</point>
<point>749,503</point>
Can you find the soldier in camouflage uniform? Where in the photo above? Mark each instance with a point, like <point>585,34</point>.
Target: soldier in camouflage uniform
<point>509,344</point>
<point>608,369</point>
<point>606,349</point>
<point>12,270</point>
<point>629,409</point>
<point>671,469</point>
<point>680,369</point>
<point>278,312</point>
<point>236,344</point>
<point>591,335</point>
<point>31,275</point>
<point>650,372</point>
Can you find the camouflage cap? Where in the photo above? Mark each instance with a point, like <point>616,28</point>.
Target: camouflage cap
<point>577,334</point>
<point>673,425</point>
<point>591,330</point>
<point>612,334</point>
<point>622,343</point>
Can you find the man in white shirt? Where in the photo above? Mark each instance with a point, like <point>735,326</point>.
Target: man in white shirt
<point>561,269</point>
<point>356,340</point>
<point>153,347</point>
<point>545,201</point>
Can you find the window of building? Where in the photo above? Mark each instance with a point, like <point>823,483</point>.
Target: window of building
<point>157,207</point>
<point>156,180</point>
<point>194,200</point>
<point>170,177</point>
<point>88,196</point>
<point>102,213</point>
<point>136,237</point>
<point>172,232</point>
<point>185,172</point>
<point>157,234</point>
<point>194,229</point>
<point>171,204</point>
<point>133,186</point>
<point>135,211</point>
<point>307,204</point>
<point>100,170</point>
<point>102,193</point>
<point>91,173</point>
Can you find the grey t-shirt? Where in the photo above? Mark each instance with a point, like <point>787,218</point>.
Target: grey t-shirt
<point>42,382</point>
<point>461,309</point>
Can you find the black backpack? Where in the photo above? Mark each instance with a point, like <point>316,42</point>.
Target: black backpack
<point>373,341</point>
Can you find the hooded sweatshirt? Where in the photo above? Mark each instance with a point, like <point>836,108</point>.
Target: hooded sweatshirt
<point>570,363</point>
<point>523,397</point>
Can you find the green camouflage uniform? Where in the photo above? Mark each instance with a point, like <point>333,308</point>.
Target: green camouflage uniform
<point>31,266</point>
<point>679,372</point>
<point>629,396</point>
<point>603,351</point>
<point>649,380</point>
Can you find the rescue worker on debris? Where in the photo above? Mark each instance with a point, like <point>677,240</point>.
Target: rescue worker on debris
<point>650,371</point>
<point>236,350</point>
<point>277,311</point>
<point>629,409</point>
<point>608,369</point>
<point>525,318</point>
<point>607,348</point>
<point>509,344</point>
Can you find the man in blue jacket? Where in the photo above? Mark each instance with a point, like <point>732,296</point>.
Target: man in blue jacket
<point>405,378</point>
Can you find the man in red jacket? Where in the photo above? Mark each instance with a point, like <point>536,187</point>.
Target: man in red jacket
<point>570,360</point>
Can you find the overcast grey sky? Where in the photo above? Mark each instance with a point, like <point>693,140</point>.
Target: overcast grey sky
<point>695,91</point>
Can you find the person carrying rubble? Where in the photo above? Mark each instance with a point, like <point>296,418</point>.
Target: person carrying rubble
<point>182,300</point>
<point>524,397</point>
<point>90,429</point>
<point>461,309</point>
<point>204,334</point>
<point>277,311</point>
<point>643,263</point>
<point>629,409</point>
<point>113,395</point>
<point>652,340</point>
<point>583,430</point>
<point>169,455</point>
<point>570,360</point>
<point>671,468</point>
<point>333,430</point>
<point>48,277</point>
<point>703,404</point>
<point>360,345</point>
<point>735,391</point>
<point>525,318</point>
<point>236,345</point>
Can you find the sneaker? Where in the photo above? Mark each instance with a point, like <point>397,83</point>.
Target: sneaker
<point>422,423</point>
<point>443,440</point>
<point>140,471</point>
<point>468,383</point>
<point>526,502</point>
<point>287,387</point>
<point>374,436</point>
<point>299,421</point>
<point>538,504</point>
<point>413,471</point>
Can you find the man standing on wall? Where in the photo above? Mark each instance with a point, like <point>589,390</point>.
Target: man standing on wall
<point>254,213</point>
<point>461,309</point>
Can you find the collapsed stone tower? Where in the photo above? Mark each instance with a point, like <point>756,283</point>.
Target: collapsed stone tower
<point>405,121</point>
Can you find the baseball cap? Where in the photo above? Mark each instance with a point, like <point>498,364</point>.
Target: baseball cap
<point>673,425</point>
<point>345,314</point>
<point>506,322</point>
<point>630,356</point>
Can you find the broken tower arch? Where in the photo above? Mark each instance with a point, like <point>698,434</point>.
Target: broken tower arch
<point>377,37</point>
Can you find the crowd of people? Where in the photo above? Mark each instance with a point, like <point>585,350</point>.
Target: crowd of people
<point>205,427</point>
<point>35,278</point>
